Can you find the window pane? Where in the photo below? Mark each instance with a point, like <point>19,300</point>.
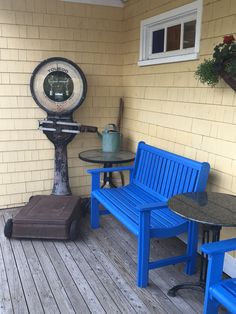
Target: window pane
<point>189,34</point>
<point>173,37</point>
<point>158,41</point>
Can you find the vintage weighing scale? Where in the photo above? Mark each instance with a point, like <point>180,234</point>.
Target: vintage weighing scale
<point>59,87</point>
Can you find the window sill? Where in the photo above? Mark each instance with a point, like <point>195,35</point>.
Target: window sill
<point>180,58</point>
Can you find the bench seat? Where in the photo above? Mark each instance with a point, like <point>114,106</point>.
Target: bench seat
<point>123,203</point>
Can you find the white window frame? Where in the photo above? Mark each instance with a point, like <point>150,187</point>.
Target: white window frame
<point>181,15</point>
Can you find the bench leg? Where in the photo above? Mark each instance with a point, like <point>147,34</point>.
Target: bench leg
<point>94,218</point>
<point>143,249</point>
<point>192,248</point>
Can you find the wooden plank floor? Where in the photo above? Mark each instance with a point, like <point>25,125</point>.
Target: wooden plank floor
<point>95,274</point>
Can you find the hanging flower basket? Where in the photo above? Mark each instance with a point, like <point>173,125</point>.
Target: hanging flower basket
<point>222,65</point>
<point>229,78</point>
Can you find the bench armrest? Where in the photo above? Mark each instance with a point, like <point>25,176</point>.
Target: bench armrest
<point>219,247</point>
<point>151,206</point>
<point>96,174</point>
<point>100,170</point>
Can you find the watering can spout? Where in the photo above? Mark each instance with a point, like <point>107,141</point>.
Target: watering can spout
<point>99,134</point>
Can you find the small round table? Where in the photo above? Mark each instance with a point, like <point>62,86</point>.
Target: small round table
<point>213,211</point>
<point>107,159</point>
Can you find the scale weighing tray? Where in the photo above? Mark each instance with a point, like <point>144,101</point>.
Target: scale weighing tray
<point>46,217</point>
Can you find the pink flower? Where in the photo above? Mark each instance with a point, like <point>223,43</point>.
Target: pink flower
<point>228,39</point>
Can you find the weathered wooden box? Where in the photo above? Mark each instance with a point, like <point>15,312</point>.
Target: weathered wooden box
<point>46,217</point>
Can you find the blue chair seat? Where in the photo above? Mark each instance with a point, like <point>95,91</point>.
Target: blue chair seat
<point>225,293</point>
<point>123,201</point>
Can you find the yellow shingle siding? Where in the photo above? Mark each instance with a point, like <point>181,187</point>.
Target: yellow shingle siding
<point>31,31</point>
<point>168,107</point>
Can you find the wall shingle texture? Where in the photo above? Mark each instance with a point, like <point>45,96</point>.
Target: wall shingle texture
<point>31,31</point>
<point>167,107</point>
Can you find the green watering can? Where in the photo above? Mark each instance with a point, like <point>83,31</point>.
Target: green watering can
<point>111,139</point>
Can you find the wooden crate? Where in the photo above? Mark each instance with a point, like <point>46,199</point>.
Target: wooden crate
<point>46,217</point>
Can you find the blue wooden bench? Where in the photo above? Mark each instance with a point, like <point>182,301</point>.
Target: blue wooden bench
<point>219,291</point>
<point>141,206</point>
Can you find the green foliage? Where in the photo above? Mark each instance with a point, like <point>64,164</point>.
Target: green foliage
<point>224,60</point>
<point>223,51</point>
<point>230,67</point>
<point>206,73</point>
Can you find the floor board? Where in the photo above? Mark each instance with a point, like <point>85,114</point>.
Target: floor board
<point>95,274</point>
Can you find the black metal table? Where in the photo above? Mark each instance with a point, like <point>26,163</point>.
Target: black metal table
<point>107,159</point>
<point>213,211</point>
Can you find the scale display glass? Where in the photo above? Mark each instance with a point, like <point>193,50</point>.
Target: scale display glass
<point>58,86</point>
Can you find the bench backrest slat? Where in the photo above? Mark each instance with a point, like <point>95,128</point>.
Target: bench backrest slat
<point>166,174</point>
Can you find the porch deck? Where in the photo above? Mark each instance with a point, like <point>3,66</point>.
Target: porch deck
<point>95,274</point>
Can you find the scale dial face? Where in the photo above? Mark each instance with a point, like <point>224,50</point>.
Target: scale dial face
<point>58,86</point>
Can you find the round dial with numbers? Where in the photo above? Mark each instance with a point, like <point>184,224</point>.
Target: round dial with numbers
<point>58,86</point>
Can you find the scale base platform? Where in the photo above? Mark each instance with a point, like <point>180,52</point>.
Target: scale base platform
<point>46,217</point>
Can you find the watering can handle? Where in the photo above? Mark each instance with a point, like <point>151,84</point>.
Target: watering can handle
<point>113,125</point>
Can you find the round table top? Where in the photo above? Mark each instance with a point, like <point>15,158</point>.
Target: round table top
<point>209,208</point>
<point>98,156</point>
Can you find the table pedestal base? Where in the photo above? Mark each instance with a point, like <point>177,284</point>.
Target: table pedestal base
<point>199,286</point>
<point>210,233</point>
<point>107,177</point>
